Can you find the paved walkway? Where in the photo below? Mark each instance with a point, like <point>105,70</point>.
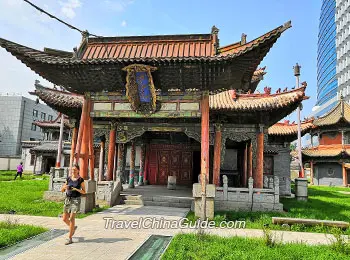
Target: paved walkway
<point>93,241</point>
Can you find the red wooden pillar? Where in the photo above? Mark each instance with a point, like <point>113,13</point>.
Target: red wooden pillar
<point>250,161</point>
<point>258,173</point>
<point>142,164</point>
<point>132,165</point>
<point>204,150</point>
<point>311,172</point>
<point>102,159</point>
<point>91,144</point>
<point>81,130</point>
<point>84,149</point>
<point>145,175</point>
<point>245,166</point>
<point>120,160</point>
<point>205,139</point>
<point>111,152</point>
<point>217,155</point>
<point>345,175</point>
<point>115,164</point>
<point>73,146</point>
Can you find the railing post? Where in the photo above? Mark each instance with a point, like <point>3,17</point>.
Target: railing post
<point>276,183</point>
<point>225,187</point>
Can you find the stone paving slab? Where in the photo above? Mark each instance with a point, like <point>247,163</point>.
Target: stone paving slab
<point>93,241</point>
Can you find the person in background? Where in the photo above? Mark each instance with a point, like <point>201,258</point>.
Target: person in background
<point>73,187</point>
<point>19,170</point>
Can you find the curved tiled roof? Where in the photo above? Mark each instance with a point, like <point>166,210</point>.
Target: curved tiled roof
<point>53,124</point>
<point>229,100</point>
<point>198,67</point>
<point>66,102</point>
<point>341,112</point>
<point>285,128</point>
<point>327,151</point>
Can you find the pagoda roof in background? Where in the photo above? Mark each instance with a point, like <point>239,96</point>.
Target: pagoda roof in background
<point>194,61</point>
<point>285,128</point>
<point>336,150</point>
<point>339,114</point>
<point>54,124</point>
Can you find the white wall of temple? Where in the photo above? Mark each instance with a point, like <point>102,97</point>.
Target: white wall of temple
<point>28,160</point>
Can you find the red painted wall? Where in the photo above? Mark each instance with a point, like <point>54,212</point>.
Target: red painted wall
<point>330,139</point>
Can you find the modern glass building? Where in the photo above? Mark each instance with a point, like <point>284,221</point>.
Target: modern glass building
<point>342,19</point>
<point>327,84</point>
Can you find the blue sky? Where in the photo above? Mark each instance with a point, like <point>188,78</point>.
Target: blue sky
<point>21,23</point>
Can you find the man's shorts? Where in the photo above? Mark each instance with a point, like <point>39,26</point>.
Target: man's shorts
<point>71,205</point>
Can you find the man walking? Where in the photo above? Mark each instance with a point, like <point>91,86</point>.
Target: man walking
<point>19,170</point>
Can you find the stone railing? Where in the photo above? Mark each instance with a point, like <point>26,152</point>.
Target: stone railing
<point>248,199</point>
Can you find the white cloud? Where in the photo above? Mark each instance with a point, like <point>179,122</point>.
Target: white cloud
<point>123,23</point>
<point>118,5</point>
<point>68,8</point>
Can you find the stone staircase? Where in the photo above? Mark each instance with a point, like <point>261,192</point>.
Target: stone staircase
<point>163,201</point>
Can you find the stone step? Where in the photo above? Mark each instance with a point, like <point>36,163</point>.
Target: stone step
<point>167,204</point>
<point>168,199</point>
<point>133,202</point>
<point>131,197</point>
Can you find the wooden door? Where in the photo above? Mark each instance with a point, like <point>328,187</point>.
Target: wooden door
<point>163,167</point>
<point>185,176</point>
<point>170,160</point>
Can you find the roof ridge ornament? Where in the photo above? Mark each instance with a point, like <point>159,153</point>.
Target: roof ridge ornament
<point>267,90</point>
<point>215,39</point>
<point>244,39</point>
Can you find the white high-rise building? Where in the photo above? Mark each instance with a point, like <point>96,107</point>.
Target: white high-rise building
<point>342,19</point>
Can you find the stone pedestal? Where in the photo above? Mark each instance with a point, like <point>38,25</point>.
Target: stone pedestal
<point>58,177</point>
<point>210,195</point>
<point>301,189</point>
<point>88,201</point>
<point>171,182</point>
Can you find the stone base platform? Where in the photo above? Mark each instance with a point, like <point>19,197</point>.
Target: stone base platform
<point>156,195</point>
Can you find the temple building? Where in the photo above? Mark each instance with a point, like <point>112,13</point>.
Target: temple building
<point>330,159</point>
<point>188,103</point>
<point>39,156</point>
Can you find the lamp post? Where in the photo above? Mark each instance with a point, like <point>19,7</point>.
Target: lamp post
<point>297,75</point>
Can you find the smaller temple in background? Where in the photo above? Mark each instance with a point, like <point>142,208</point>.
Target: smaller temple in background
<point>40,156</point>
<point>330,159</point>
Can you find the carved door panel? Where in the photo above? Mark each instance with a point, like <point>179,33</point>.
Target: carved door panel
<point>164,167</point>
<point>153,167</point>
<point>175,163</point>
<point>185,174</point>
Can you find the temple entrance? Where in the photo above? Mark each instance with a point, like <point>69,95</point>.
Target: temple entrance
<point>171,160</point>
<point>48,163</point>
<point>233,165</point>
<point>172,154</point>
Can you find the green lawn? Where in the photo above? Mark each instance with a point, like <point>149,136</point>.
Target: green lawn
<point>194,247</point>
<point>10,175</point>
<point>11,233</point>
<point>26,197</point>
<point>324,203</point>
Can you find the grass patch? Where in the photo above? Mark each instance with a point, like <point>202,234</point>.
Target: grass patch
<point>10,175</point>
<point>11,232</point>
<point>26,198</point>
<point>325,203</point>
<point>191,246</point>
